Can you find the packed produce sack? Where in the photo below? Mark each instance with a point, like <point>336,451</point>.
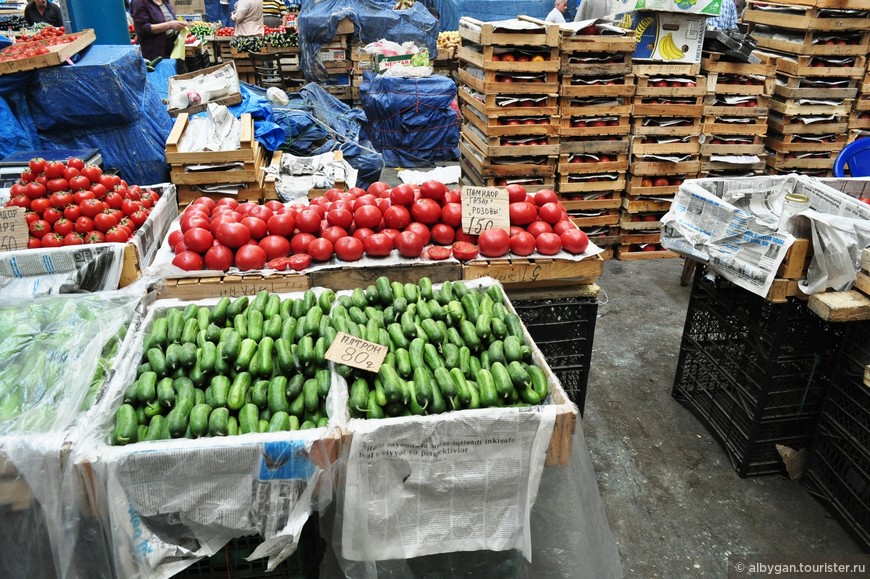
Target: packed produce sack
<point>178,484</point>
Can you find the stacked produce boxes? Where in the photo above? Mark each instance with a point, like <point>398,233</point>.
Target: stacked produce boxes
<point>665,150</point>
<point>735,115</point>
<point>336,59</point>
<point>507,93</point>
<point>821,53</point>
<point>595,91</point>
<point>859,119</point>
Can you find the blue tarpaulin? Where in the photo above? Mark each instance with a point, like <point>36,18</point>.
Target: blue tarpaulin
<point>411,121</point>
<point>488,10</point>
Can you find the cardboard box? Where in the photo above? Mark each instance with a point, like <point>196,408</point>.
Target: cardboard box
<point>666,37</point>
<point>705,7</point>
<point>381,63</point>
<point>189,6</point>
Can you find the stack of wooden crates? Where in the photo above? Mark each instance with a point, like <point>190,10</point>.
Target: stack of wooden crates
<point>859,119</point>
<point>820,49</point>
<point>336,58</point>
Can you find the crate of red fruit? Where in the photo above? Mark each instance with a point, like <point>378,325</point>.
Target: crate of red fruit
<point>81,230</point>
<point>49,47</point>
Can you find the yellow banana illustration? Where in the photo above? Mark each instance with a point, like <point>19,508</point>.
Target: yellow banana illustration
<point>669,50</point>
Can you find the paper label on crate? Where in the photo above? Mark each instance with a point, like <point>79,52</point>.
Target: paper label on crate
<point>484,208</point>
<point>13,229</point>
<point>356,352</point>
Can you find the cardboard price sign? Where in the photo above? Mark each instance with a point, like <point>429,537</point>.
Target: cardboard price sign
<point>356,352</point>
<point>13,229</point>
<point>485,208</point>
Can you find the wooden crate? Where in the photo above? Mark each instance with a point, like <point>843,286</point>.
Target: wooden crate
<point>806,66</point>
<point>664,107</point>
<point>228,100</point>
<point>487,33</point>
<point>525,270</point>
<point>57,54</point>
<point>715,105</point>
<point>797,143</point>
<point>787,125</point>
<point>187,194</point>
<point>794,87</point>
<point>583,43</point>
<point>651,238</point>
<point>686,145</point>
<point>592,218</point>
<point>730,84</point>
<point>755,145</point>
<point>496,146</point>
<point>600,64</point>
<point>646,86</point>
<point>233,286</point>
<point>596,182</point>
<point>862,103</point>
<point>585,107</point>
<point>498,126</point>
<point>654,126</point>
<point>497,83</point>
<point>608,146</point>
<point>544,166</point>
<point>608,86</point>
<point>245,154</point>
<point>714,125</point>
<point>813,18</point>
<point>513,104</point>
<point>614,163</point>
<point>602,236</point>
<point>652,68</point>
<point>484,57</point>
<point>632,204</point>
<point>859,120</point>
<point>249,173</point>
<point>633,253</point>
<point>714,62</point>
<point>470,176</point>
<point>811,42</point>
<point>792,107</point>
<point>637,188</point>
<point>788,160</point>
<point>598,200</point>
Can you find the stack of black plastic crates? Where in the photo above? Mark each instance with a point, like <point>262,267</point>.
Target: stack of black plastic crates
<point>839,466</point>
<point>754,372</point>
<point>564,330</point>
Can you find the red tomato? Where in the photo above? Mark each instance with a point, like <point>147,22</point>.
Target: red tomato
<point>17,189</point>
<point>523,243</point>
<point>71,172</point>
<point>300,242</point>
<point>409,244</point>
<point>421,230</point>
<point>174,237</point>
<point>79,183</point>
<point>433,190</point>
<point>30,217</point>
<point>438,253</point>
<point>574,240</point>
<point>402,195</point>
<point>37,165</point>
<point>52,240</point>
<point>107,181</point>
<point>281,224</point>
<point>35,190</point>
<point>452,197</point>
<point>256,226</point>
<point>205,202</point>
<point>129,207</point>
<point>56,185</point>
<point>275,246</point>
<point>92,207</point>
<point>73,239</point>
<point>443,234</point>
<point>539,227</point>
<point>94,237</point>
<point>383,205</point>
<point>105,221</point>
<point>378,245</point>
<point>563,225</point>
<point>426,211</point>
<point>278,264</point>
<point>75,163</point>
<point>320,249</point>
<point>63,226</point>
<point>391,233</point>
<point>544,196</point>
<point>308,221</point>
<point>548,244</point>
<point>376,187</point>
<point>250,257</point>
<point>333,233</point>
<point>198,239</point>
<point>233,235</point>
<point>523,213</point>
<point>34,243</point>
<point>92,172</point>
<point>219,257</point>
<point>261,212</point>
<point>451,214</point>
<point>140,217</point>
<point>320,210</point>
<point>117,235</point>
<point>98,190</point>
<point>355,191</point>
<point>339,216</point>
<point>397,217</point>
<point>516,193</point>
<point>464,251</point>
<point>228,201</point>
<point>300,261</point>
<point>362,233</point>
<point>367,216</point>
<point>494,242</point>
<point>39,228</point>
<point>20,201</point>
<point>349,248</point>
<point>363,201</point>
<point>84,225</point>
<point>551,213</point>
<point>52,214</point>
<point>41,204</point>
<point>188,261</point>
<point>54,170</point>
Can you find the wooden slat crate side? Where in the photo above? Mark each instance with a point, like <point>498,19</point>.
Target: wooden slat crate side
<point>567,88</point>
<point>810,20</point>
<point>651,69</point>
<point>713,62</point>
<point>645,168</point>
<point>594,146</point>
<point>626,253</point>
<point>231,286</point>
<point>566,185</point>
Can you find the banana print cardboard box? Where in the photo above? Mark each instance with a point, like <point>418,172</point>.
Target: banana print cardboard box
<point>705,7</point>
<point>665,36</point>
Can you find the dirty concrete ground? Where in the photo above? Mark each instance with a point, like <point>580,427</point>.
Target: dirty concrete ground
<point>676,506</point>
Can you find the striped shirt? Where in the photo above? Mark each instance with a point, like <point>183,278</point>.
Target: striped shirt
<point>273,7</point>
<point>727,19</point>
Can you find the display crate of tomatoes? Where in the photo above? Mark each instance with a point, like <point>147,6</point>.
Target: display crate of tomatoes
<point>719,168</point>
<point>656,186</point>
<point>595,39</point>
<point>523,83</point>
<point>732,145</point>
<point>728,125</point>
<point>859,120</point>
<point>651,166</point>
<point>585,107</point>
<point>667,106</point>
<point>666,125</point>
<point>818,160</point>
<point>509,104</point>
<point>509,124</point>
<point>580,124</point>
<point>797,107</point>
<point>643,145</point>
<point>586,163</point>
<point>518,145</point>
<point>726,105</point>
<point>583,218</point>
<point>49,47</point>
<point>530,166</point>
<point>792,87</point>
<point>807,65</point>
<point>607,144</point>
<point>595,64</point>
<point>605,236</point>
<point>510,58</point>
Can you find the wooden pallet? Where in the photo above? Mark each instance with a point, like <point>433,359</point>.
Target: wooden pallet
<point>487,33</point>
<point>710,147</point>
<point>812,42</point>
<point>637,188</point>
<point>606,64</point>
<point>614,145</point>
<point>567,167</point>
<point>511,125</point>
<point>497,147</point>
<point>577,107</point>
<point>622,87</point>
<point>632,204</point>
<point>498,83</point>
<point>687,145</point>
<point>653,69</point>
<point>472,177</point>
<point>714,125</point>
<point>584,201</point>
<point>792,107</point>
<point>695,108</point>
<point>730,84</point>
<point>689,126</point>
<point>524,270</point>
<point>786,160</point>
<point>566,184</point>
<point>583,126</point>
<point>484,57</point>
<point>570,43</point>
<point>56,56</point>
<point>595,218</point>
<point>628,253</point>
<point>526,105</point>
<point>793,125</point>
<point>510,167</point>
<point>717,107</point>
<point>714,62</point>
<point>813,18</point>
<point>808,66</point>
<point>647,168</point>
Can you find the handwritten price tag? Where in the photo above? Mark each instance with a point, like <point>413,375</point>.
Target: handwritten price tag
<point>484,208</point>
<point>13,229</point>
<point>356,352</point>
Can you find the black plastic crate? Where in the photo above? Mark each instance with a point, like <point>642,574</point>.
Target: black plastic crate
<point>839,475</point>
<point>564,330</point>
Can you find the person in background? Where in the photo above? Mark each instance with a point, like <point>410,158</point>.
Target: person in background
<point>727,19</point>
<point>592,9</point>
<point>43,11</point>
<point>156,26</point>
<point>248,16</point>
<point>556,15</point>
<point>273,13</point>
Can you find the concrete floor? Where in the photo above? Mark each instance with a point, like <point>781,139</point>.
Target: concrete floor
<point>675,504</point>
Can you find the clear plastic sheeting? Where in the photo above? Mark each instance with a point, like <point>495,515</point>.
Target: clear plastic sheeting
<point>55,357</point>
<point>411,121</point>
<point>372,20</point>
<point>106,87</point>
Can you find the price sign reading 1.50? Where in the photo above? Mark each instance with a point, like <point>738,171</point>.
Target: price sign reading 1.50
<point>350,351</point>
<point>484,208</point>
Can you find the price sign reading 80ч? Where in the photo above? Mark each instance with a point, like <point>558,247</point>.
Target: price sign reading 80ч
<point>356,352</point>
<point>485,208</point>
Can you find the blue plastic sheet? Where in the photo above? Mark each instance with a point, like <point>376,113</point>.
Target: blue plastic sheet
<point>136,149</point>
<point>372,19</point>
<point>411,121</point>
<point>489,10</point>
<point>106,87</point>
<point>159,79</point>
<point>217,12</point>
<point>15,136</point>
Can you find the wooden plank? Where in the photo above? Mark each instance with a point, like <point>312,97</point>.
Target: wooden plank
<point>782,289</point>
<point>794,266</point>
<point>593,146</point>
<point>623,253</point>
<point>57,55</point>
<point>231,286</point>
<point>349,278</point>
<point>809,20</point>
<point>712,62</point>
<point>848,306</point>
<point>862,283</point>
<point>510,271</point>
<point>553,291</point>
<point>652,69</point>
